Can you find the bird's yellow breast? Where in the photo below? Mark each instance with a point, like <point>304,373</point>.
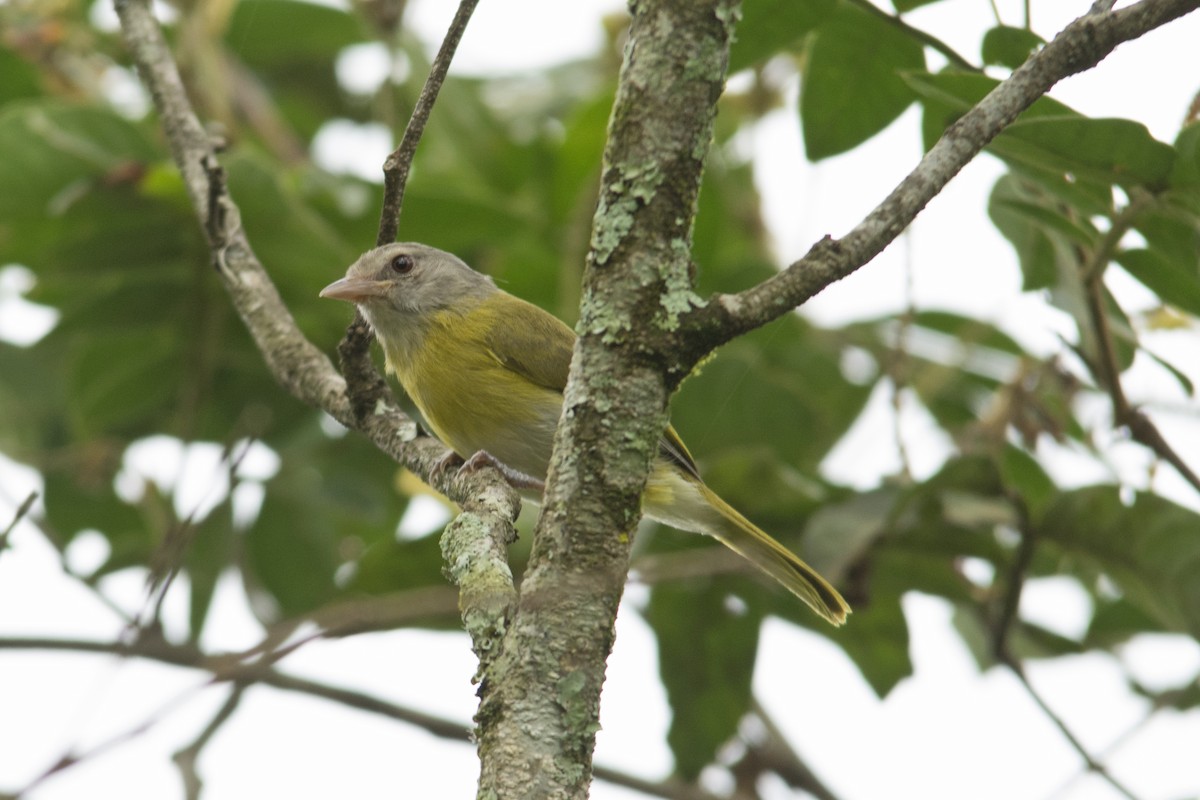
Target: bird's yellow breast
<point>471,400</point>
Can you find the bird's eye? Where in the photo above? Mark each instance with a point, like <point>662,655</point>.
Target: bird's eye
<point>403,264</point>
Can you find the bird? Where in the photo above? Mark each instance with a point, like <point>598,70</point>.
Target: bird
<point>487,371</point>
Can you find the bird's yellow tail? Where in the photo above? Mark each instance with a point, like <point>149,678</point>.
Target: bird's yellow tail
<point>684,502</point>
<point>756,546</point>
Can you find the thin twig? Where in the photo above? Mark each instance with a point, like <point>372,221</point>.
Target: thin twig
<point>398,164</point>
<point>185,759</point>
<point>22,510</point>
<point>1108,372</point>
<point>1002,650</point>
<point>226,669</point>
<point>56,541</point>
<point>73,758</point>
<point>364,384</point>
<point>1092,764</point>
<point>778,755</point>
<point>1015,585</point>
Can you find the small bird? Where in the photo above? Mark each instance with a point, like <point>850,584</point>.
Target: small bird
<point>487,370</point>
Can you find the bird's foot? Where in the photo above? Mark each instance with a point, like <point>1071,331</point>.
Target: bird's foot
<point>515,478</point>
<point>448,461</point>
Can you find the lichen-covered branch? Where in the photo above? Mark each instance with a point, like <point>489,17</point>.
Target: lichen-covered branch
<point>1079,47</point>
<point>540,700</point>
<point>295,362</point>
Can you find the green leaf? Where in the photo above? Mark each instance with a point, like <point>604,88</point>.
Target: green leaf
<point>1148,548</point>
<point>285,32</point>
<point>291,552</point>
<point>852,86</point>
<point>18,78</point>
<point>769,26</point>
<point>1173,283</point>
<point>758,387</point>
<point>1172,231</point>
<point>876,635</point>
<point>839,534</point>
<point>1186,171</point>
<point>118,379</point>
<point>1118,151</point>
<point>1027,477</point>
<point>1009,47</point>
<point>54,153</point>
<point>1182,379</point>
<point>706,651</point>
<point>908,5</point>
<point>1050,135</point>
<point>211,548</point>
<point>1042,251</point>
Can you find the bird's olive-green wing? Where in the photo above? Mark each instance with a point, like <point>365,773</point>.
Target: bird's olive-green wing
<point>531,342</point>
<point>536,344</point>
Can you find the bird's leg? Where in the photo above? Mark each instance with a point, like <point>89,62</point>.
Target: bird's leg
<point>515,478</point>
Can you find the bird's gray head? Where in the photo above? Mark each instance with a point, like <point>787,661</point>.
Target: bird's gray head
<point>403,283</point>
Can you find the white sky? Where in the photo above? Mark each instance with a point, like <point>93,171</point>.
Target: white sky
<point>949,732</point>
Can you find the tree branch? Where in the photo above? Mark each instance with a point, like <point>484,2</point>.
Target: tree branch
<point>1002,626</point>
<point>1107,370</point>
<point>226,668</point>
<point>539,702</point>
<point>489,503</point>
<point>398,164</point>
<point>365,386</point>
<point>1080,46</point>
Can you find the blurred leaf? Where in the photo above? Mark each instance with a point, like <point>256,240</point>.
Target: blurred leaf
<point>118,379</point>
<point>18,79</point>
<point>1186,171</point>
<point>706,649</point>
<point>291,48</point>
<point>1027,478</point>
<point>1184,697</point>
<point>852,85</point>
<point>1119,151</point>
<point>1148,548</point>
<point>839,534</point>
<point>1043,251</point>
<point>876,634</point>
<point>769,26</point>
<point>283,32</point>
<point>1116,621</point>
<point>1172,231</point>
<point>909,5</point>
<point>1009,47</point>
<point>1049,134</point>
<point>332,503</point>
<point>210,552</point>
<point>1184,381</point>
<point>55,153</point>
<point>1173,283</point>
<point>390,564</point>
<point>758,392</point>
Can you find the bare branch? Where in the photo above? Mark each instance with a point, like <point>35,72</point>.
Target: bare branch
<point>398,164</point>
<point>298,365</point>
<point>1107,370</point>
<point>225,668</point>
<point>185,759</point>
<point>1002,627</point>
<point>22,510</point>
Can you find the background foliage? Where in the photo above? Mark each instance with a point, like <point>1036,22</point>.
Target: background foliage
<point>146,345</point>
